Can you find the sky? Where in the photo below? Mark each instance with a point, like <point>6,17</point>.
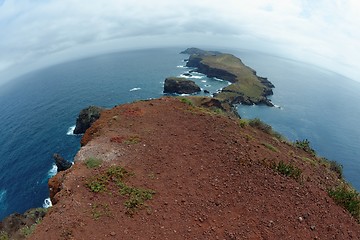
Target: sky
<point>38,33</point>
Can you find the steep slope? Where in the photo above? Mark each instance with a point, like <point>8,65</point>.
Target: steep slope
<point>165,169</point>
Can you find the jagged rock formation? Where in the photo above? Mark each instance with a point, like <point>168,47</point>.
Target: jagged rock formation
<point>61,163</point>
<point>86,118</point>
<point>246,88</point>
<point>180,86</point>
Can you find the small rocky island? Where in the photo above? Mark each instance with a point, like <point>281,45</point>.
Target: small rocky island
<point>246,87</point>
<point>180,86</point>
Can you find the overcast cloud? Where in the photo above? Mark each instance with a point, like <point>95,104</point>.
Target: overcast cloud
<point>36,33</point>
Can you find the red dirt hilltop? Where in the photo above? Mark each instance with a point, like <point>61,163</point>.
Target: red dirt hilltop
<point>168,169</point>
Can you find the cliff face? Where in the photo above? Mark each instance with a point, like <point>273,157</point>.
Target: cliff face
<point>168,169</point>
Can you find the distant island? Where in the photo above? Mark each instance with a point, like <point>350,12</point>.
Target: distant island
<point>246,87</point>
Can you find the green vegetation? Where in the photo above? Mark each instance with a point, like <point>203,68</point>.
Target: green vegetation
<point>93,162</point>
<point>27,231</point>
<point>245,83</point>
<point>305,145</point>
<point>116,175</point>
<point>98,183</point>
<point>137,196</point>
<point>288,170</point>
<point>258,124</point>
<point>271,147</point>
<point>187,101</point>
<point>243,123</point>
<point>132,140</point>
<point>4,236</point>
<point>347,198</point>
<point>337,168</point>
<point>99,210</point>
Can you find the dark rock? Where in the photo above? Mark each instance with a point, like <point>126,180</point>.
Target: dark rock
<point>86,118</point>
<point>180,86</point>
<point>61,163</point>
<point>187,74</point>
<point>12,225</point>
<point>206,91</point>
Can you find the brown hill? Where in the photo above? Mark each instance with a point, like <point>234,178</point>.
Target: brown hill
<point>166,169</point>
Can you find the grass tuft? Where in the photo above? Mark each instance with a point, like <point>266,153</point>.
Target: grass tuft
<point>116,175</point>
<point>288,170</point>
<point>187,101</point>
<point>270,147</point>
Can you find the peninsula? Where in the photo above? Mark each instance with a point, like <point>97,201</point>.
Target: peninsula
<point>246,87</point>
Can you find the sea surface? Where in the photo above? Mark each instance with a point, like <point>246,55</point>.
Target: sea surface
<point>39,110</point>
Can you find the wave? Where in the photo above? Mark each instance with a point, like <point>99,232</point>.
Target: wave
<point>192,76</point>
<point>52,172</point>
<point>47,203</point>
<point>70,130</point>
<point>135,89</point>
<point>203,81</point>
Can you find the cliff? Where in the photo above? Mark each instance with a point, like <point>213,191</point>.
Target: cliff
<point>188,168</point>
<point>246,88</point>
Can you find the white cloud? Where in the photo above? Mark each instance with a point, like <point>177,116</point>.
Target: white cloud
<point>36,33</point>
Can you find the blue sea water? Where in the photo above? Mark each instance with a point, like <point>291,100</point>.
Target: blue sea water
<point>39,109</point>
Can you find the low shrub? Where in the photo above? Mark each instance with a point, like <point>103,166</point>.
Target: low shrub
<point>337,168</point>
<point>347,198</point>
<point>305,145</point>
<point>93,162</point>
<point>288,170</point>
<point>257,123</point>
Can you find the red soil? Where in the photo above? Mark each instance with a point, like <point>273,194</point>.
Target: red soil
<point>213,180</point>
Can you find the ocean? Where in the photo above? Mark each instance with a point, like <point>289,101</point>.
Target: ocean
<point>39,110</point>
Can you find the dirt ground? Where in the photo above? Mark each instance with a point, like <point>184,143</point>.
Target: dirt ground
<point>212,178</point>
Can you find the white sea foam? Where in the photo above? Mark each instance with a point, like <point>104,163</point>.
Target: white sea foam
<point>70,130</point>
<point>203,80</point>
<point>197,77</point>
<point>47,203</point>
<point>135,89</point>
<point>2,195</point>
<point>218,79</point>
<point>184,76</point>
<point>181,66</point>
<point>52,172</point>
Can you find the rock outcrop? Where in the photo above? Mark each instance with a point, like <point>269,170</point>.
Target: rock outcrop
<point>17,226</point>
<point>61,163</point>
<point>86,118</point>
<point>180,86</point>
